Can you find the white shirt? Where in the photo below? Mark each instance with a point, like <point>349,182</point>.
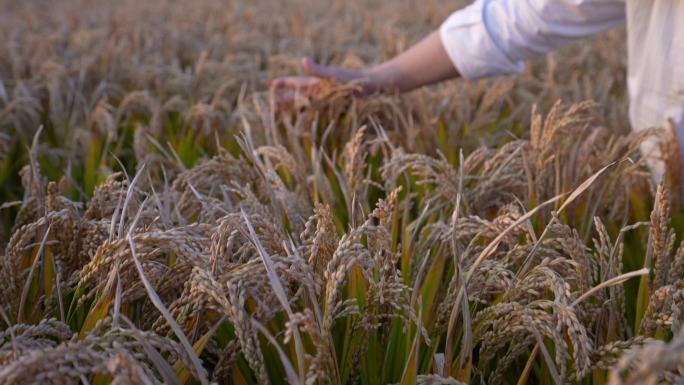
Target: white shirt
<point>494,37</point>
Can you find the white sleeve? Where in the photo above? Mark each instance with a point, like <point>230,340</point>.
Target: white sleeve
<point>493,37</point>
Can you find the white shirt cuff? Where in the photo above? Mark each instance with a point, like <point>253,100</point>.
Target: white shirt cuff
<point>470,45</point>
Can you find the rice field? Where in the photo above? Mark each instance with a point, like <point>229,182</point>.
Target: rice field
<point>164,221</point>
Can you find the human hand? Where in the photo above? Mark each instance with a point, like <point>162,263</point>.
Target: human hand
<point>288,89</point>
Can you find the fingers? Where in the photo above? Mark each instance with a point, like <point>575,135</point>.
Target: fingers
<point>285,99</point>
<point>289,99</point>
<point>315,69</point>
<point>315,72</point>
<point>289,90</point>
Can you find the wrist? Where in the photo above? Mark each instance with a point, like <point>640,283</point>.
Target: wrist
<point>379,78</point>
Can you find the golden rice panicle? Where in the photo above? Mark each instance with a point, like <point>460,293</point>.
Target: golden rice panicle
<point>500,175</point>
<point>103,121</point>
<point>385,208</point>
<point>672,158</point>
<point>246,332</point>
<point>512,323</point>
<point>55,365</point>
<point>582,346</point>
<point>605,357</point>
<point>33,184</point>
<point>676,271</point>
<point>204,119</point>
<point>125,370</point>
<point>281,157</point>
<point>107,197</point>
<point>429,171</point>
<point>661,236</point>
<point>140,102</point>
<point>355,154</point>
<point>209,186</point>
<point>322,240</point>
<point>20,253</point>
<point>20,339</point>
<point>321,365</point>
<point>227,357</point>
<point>655,362</point>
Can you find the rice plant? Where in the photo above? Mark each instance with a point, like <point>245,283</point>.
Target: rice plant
<point>165,221</point>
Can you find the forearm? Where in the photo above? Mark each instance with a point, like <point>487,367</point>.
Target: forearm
<point>425,63</point>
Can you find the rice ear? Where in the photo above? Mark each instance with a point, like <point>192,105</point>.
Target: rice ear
<point>169,318</point>
<point>672,158</point>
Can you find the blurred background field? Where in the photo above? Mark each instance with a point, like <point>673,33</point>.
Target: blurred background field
<point>162,222</point>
